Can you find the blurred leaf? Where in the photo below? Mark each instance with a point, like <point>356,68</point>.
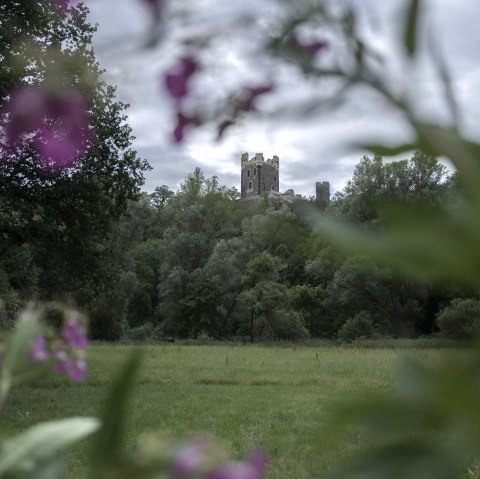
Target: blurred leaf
<point>383,150</point>
<point>108,443</point>
<point>34,371</point>
<point>425,243</point>
<point>26,328</point>
<point>401,461</point>
<point>51,470</point>
<point>410,35</point>
<point>445,77</point>
<point>27,450</point>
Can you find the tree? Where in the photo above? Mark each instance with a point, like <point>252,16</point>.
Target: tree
<point>64,214</point>
<point>419,180</point>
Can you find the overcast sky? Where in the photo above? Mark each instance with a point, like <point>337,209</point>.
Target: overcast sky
<point>310,150</point>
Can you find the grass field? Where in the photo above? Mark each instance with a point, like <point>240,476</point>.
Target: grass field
<point>274,397</point>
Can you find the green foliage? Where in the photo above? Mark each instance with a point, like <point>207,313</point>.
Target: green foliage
<point>359,326</point>
<point>309,302</point>
<point>460,319</point>
<point>56,223</point>
<point>27,452</point>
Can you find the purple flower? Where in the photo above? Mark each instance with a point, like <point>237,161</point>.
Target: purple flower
<point>254,468</point>
<point>190,460</point>
<point>250,94</point>
<point>38,352</point>
<point>177,79</point>
<point>74,332</point>
<point>60,123</point>
<point>76,369</point>
<point>61,366</point>
<point>182,122</point>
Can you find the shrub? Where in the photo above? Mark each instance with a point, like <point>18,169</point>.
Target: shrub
<point>360,326</point>
<point>460,319</point>
<point>141,333</point>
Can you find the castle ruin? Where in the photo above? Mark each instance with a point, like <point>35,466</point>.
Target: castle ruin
<point>260,177</point>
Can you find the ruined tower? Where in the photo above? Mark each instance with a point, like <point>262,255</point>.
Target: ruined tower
<point>259,176</point>
<point>322,190</point>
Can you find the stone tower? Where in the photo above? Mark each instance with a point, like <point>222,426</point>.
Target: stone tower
<point>322,190</point>
<point>259,176</point>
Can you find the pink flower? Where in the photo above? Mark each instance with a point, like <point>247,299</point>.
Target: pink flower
<point>59,122</point>
<point>254,468</point>
<point>74,333</point>
<point>177,79</point>
<point>38,352</point>
<point>250,94</point>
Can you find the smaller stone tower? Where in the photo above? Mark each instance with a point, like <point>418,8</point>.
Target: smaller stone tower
<point>322,190</point>
<point>259,176</point>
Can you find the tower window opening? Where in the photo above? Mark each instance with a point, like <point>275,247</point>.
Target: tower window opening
<point>254,172</point>
<point>275,178</point>
<point>249,185</point>
<point>248,172</point>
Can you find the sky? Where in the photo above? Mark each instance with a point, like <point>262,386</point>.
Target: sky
<point>314,148</point>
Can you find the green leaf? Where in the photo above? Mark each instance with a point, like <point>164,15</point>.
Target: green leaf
<point>411,26</point>
<point>24,452</point>
<point>27,327</point>
<point>108,443</point>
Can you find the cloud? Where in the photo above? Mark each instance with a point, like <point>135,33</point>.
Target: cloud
<point>315,147</point>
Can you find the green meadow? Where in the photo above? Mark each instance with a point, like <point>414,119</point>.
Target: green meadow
<point>277,398</point>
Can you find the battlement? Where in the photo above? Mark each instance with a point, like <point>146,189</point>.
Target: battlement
<point>259,159</point>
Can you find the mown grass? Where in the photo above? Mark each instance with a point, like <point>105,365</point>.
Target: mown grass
<point>276,398</point>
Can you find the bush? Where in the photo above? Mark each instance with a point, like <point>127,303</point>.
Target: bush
<point>460,319</point>
<point>360,326</point>
<point>141,333</point>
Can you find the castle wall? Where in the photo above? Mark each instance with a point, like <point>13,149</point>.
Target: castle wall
<point>322,190</point>
<point>259,176</point>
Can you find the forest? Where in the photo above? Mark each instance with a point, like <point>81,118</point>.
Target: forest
<point>199,263</point>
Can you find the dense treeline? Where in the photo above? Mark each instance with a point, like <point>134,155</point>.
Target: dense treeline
<point>198,263</point>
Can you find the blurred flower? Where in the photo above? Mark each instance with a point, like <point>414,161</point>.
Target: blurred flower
<point>62,357</point>
<point>59,120</point>
<point>191,459</point>
<point>254,468</point>
<point>250,95</point>
<point>176,80</point>
<point>76,369</point>
<point>74,332</point>
<point>182,122</point>
<point>38,352</point>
